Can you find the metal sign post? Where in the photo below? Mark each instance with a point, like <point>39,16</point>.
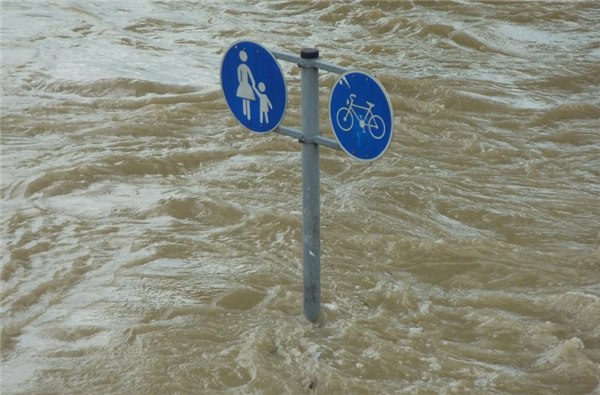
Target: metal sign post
<point>311,199</point>
<point>253,86</point>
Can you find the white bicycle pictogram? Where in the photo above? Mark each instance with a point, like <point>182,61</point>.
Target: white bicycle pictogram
<point>345,118</point>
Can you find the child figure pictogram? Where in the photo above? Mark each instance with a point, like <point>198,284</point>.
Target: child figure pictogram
<point>265,103</point>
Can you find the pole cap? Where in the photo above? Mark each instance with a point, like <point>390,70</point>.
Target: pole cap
<point>309,53</point>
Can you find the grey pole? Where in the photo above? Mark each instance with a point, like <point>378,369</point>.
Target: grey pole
<point>311,201</point>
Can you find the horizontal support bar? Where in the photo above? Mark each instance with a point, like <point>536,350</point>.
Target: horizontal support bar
<point>288,132</point>
<point>316,63</point>
<point>288,57</point>
<point>317,139</point>
<point>327,142</point>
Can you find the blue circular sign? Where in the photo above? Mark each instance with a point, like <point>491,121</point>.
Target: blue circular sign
<point>361,115</point>
<point>254,87</point>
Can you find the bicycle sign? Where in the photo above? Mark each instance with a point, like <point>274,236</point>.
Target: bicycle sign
<point>345,118</point>
<point>361,116</point>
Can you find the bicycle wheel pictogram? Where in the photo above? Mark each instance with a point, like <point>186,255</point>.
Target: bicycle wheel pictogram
<point>345,119</point>
<point>376,127</point>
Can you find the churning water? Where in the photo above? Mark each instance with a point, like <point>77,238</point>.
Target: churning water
<point>151,245</point>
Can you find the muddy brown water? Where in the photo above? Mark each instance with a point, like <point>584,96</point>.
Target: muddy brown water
<point>153,246</point>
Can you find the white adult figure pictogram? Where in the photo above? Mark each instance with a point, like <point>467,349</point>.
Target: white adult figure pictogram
<point>245,91</point>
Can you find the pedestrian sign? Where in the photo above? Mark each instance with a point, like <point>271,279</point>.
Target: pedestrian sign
<point>254,87</point>
<point>361,115</point>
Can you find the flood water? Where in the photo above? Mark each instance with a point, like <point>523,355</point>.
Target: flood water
<point>151,245</point>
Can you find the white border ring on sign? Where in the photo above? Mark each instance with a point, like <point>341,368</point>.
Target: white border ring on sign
<point>342,76</point>
<point>280,70</point>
